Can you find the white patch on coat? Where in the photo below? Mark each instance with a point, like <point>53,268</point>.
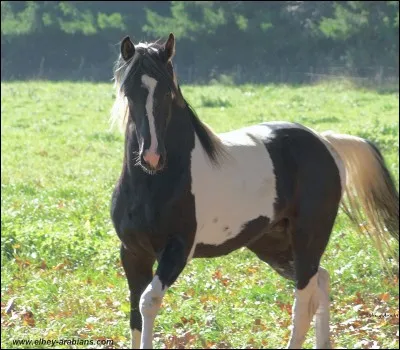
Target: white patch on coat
<point>150,83</point>
<point>149,305</point>
<point>241,189</point>
<point>135,338</point>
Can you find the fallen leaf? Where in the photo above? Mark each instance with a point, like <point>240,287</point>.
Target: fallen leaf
<point>252,270</point>
<point>385,297</point>
<point>27,318</point>
<point>43,265</point>
<point>359,300</point>
<point>217,275</point>
<point>184,320</point>
<point>59,266</point>
<point>285,307</point>
<point>21,262</point>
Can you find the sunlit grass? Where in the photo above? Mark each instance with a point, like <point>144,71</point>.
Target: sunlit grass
<point>60,254</point>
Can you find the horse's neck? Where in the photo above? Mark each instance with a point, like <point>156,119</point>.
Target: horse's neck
<point>179,139</point>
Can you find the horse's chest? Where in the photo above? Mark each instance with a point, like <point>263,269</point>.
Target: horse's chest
<point>147,215</point>
<point>228,198</point>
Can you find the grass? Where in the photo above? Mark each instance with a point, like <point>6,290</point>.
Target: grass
<point>60,254</point>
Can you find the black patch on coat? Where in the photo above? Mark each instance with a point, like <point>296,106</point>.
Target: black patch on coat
<point>308,195</point>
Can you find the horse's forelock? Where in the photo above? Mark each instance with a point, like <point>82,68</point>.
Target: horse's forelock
<point>122,69</point>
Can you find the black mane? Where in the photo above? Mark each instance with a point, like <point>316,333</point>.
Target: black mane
<point>210,143</point>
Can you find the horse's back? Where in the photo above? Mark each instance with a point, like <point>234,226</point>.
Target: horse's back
<point>297,155</point>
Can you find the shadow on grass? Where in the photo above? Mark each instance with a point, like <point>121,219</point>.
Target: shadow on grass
<point>386,87</point>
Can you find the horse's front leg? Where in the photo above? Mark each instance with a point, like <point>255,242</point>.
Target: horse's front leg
<point>138,268</point>
<point>171,264</point>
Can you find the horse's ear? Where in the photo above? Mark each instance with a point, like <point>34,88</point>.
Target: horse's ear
<point>169,47</point>
<point>127,48</point>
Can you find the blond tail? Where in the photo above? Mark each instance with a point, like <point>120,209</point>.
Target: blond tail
<point>370,197</point>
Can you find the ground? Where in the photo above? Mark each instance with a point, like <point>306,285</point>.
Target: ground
<point>60,254</point>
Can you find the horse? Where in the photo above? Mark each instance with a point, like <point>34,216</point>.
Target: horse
<point>185,192</point>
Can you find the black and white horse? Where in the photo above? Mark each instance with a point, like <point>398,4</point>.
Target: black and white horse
<point>185,192</point>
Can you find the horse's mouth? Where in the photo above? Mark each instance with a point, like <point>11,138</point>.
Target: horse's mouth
<point>150,170</point>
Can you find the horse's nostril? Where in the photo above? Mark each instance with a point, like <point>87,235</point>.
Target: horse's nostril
<point>151,158</point>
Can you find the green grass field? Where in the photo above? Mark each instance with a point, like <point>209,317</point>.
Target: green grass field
<point>60,254</point>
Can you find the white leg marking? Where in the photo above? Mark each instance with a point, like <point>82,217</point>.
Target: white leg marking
<point>150,303</point>
<point>304,308</point>
<point>135,339</point>
<point>150,84</point>
<point>322,314</point>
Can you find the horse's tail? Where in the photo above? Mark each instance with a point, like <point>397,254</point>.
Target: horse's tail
<point>370,198</point>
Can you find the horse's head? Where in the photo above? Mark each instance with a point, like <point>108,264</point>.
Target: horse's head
<point>146,83</point>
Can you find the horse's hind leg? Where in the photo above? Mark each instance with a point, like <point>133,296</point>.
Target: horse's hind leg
<point>313,299</point>
<point>310,238</point>
<point>276,248</point>
<point>304,308</point>
<point>322,314</point>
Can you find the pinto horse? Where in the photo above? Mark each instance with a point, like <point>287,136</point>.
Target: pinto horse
<point>185,192</point>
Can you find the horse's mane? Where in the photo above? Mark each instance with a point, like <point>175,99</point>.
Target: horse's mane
<point>210,142</point>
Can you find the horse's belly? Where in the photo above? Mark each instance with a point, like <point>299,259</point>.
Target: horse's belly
<point>235,201</point>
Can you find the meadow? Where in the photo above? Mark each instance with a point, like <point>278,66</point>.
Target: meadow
<point>61,276</point>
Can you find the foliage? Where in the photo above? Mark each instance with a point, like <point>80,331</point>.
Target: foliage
<point>67,16</point>
<point>210,34</point>
<point>61,273</point>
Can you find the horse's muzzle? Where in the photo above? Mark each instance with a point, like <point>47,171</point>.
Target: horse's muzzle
<point>152,161</point>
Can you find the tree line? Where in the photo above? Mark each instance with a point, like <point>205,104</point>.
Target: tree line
<point>80,39</point>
